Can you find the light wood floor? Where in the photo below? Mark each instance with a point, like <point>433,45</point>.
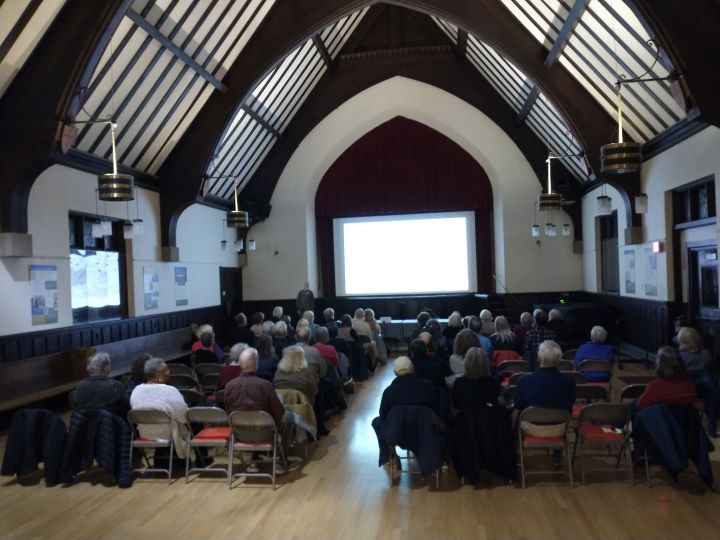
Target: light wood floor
<point>340,492</point>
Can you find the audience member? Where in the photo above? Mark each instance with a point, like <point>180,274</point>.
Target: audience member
<point>205,354</point>
<point>214,347</point>
<point>267,359</point>
<point>232,369</point>
<point>422,319</point>
<point>504,339</point>
<point>277,313</point>
<point>475,388</point>
<point>257,320</point>
<point>595,349</point>
<point>454,325</point>
<point>155,394</point>
<point>281,338</point>
<point>137,372</point>
<point>672,387</point>
<point>547,387</point>
<point>556,323</point>
<point>537,335</point>
<point>240,333</point>
<point>699,365</point>
<point>464,341</point>
<point>475,324</point>
<point>248,392</point>
<point>376,336</point>
<point>328,351</point>
<point>432,369</point>
<point>329,322</point>
<point>526,324</point>
<point>99,390</point>
<point>407,388</point>
<point>488,326</point>
<point>309,316</point>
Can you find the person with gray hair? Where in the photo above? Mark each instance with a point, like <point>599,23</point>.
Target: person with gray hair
<point>329,322</point>
<point>280,337</point>
<point>527,321</point>
<point>232,369</point>
<point>99,390</point>
<point>155,394</point>
<point>277,313</point>
<point>595,349</point>
<point>547,387</point>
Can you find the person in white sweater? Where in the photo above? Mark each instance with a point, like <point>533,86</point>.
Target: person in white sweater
<point>155,394</point>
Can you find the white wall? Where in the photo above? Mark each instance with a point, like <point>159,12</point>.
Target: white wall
<point>692,159</point>
<point>59,190</point>
<point>286,256</point>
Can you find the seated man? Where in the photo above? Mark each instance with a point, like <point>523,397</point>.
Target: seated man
<point>280,337</point>
<point>99,391</point>
<point>406,389</point>
<point>329,322</point>
<point>248,392</point>
<point>432,369</point>
<point>547,388</point>
<point>595,349</point>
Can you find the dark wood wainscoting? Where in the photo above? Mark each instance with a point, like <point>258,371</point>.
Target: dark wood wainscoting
<point>21,346</point>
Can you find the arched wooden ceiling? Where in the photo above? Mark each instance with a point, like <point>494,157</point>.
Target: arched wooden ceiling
<point>225,50</point>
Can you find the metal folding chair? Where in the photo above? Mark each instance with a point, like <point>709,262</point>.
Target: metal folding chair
<point>548,417</point>
<point>151,416</point>
<point>603,425</point>
<point>252,431</point>
<point>215,434</point>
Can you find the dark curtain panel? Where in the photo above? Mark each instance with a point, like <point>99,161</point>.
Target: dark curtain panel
<point>403,167</point>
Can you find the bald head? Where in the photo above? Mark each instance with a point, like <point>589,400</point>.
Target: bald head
<point>248,360</point>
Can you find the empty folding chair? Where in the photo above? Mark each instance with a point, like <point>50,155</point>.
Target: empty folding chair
<point>546,418</point>
<point>206,367</point>
<point>508,394</point>
<point>631,392</point>
<point>179,369</point>
<point>252,431</point>
<point>215,434</point>
<point>151,416</point>
<point>578,377</point>
<point>182,381</point>
<point>209,382</point>
<point>603,426</point>
<point>594,367</point>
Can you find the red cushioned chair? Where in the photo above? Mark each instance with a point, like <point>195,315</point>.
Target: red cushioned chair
<point>501,356</point>
<point>215,434</point>
<point>603,426</point>
<point>547,417</point>
<point>508,367</point>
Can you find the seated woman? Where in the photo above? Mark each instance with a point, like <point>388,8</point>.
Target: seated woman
<point>482,433</point>
<point>672,387</point>
<point>137,372</point>
<point>463,342</point>
<point>293,373</point>
<point>698,362</point>
<point>454,325</point>
<point>155,394</point>
<point>504,338</point>
<point>376,336</point>
<point>267,359</point>
<point>595,349</point>
<point>232,369</point>
<point>202,342</point>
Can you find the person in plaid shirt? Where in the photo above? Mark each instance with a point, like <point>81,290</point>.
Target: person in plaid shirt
<point>536,336</point>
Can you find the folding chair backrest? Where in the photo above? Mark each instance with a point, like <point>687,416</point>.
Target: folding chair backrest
<point>191,396</point>
<point>179,369</point>
<point>501,356</point>
<point>514,366</point>
<point>207,415</point>
<point>569,354</point>
<point>362,338</point>
<point>252,426</point>
<point>616,414</point>
<point>578,377</point>
<point>202,369</point>
<point>516,377</point>
<point>209,381</point>
<point>591,364</point>
<point>220,398</point>
<point>148,416</point>
<point>182,381</point>
<point>541,415</point>
<point>632,391</point>
<point>591,392</point>
<point>565,365</point>
<point>508,394</point>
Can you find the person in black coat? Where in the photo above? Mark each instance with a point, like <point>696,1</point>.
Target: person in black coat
<point>433,369</point>
<point>99,391</point>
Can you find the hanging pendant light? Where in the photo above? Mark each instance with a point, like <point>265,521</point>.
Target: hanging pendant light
<point>115,186</point>
<point>535,231</point>
<point>565,230</point>
<point>641,203</point>
<point>239,219</point>
<point>622,156</point>
<point>604,205</point>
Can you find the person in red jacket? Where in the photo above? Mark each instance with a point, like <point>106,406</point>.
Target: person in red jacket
<point>672,387</point>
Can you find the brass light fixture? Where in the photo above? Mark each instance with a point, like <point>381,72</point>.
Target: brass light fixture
<point>238,219</point>
<point>623,156</point>
<point>550,201</point>
<point>115,186</point>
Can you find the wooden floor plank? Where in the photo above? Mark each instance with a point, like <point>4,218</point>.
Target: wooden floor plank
<point>340,492</point>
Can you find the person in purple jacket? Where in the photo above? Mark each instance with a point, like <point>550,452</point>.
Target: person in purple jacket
<point>595,349</point>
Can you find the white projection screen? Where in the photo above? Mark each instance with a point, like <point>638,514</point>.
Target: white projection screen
<point>405,254</point>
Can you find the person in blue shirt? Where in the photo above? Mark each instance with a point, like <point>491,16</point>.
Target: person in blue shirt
<point>595,349</point>
<point>547,387</point>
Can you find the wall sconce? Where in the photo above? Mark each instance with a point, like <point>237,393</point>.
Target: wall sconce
<point>641,203</point>
<point>565,229</point>
<point>604,205</point>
